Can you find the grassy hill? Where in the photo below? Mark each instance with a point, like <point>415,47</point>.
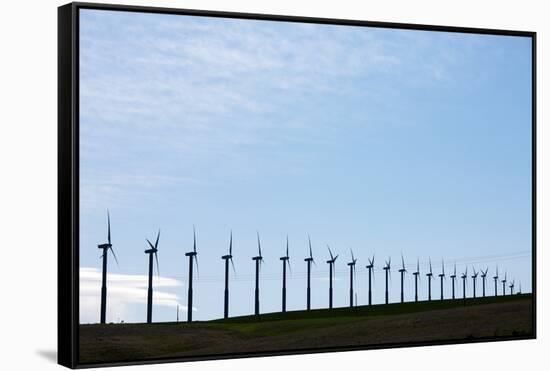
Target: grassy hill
<point>447,320</point>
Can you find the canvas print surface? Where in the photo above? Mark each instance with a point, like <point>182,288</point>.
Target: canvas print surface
<point>263,186</point>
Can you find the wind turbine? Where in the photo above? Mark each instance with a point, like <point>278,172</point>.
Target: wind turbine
<point>474,278</point>
<point>152,251</point>
<point>387,269</point>
<point>512,287</point>
<point>519,292</point>
<point>453,278</point>
<point>484,278</point>
<point>495,277</point>
<point>192,256</point>
<point>504,284</point>
<point>286,260</point>
<point>258,260</point>
<point>442,276</point>
<point>309,260</point>
<point>331,268</point>
<point>464,278</point>
<point>402,271</point>
<point>351,276</point>
<point>177,313</point>
<point>105,247</point>
<point>228,258</point>
<point>416,279</point>
<point>370,268</point>
<point>430,277</point>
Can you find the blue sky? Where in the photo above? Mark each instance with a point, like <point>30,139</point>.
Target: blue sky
<point>383,141</point>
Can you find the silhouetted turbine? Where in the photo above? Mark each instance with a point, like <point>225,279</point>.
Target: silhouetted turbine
<point>309,260</point>
<point>495,277</point>
<point>484,278</point>
<point>192,256</point>
<point>430,277</point>
<point>442,276</point>
<point>387,269</point>
<point>227,258</point>
<point>351,277</point>
<point>453,278</point>
<point>371,275</point>
<point>258,260</point>
<point>464,278</point>
<point>331,269</point>
<point>286,260</point>
<point>512,288</point>
<point>474,278</point>
<point>416,279</point>
<point>402,271</point>
<point>504,284</point>
<point>152,251</point>
<point>105,247</point>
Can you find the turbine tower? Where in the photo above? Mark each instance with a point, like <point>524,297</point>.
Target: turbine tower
<point>308,261</point>
<point>351,276</point>
<point>228,258</point>
<point>495,277</point>
<point>474,278</point>
<point>192,256</point>
<point>464,278</point>
<point>402,271</point>
<point>152,251</point>
<point>504,284</point>
<point>430,277</point>
<point>387,269</point>
<point>453,278</point>
<point>484,278</point>
<point>416,279</point>
<point>370,267</point>
<point>286,260</point>
<point>105,247</point>
<point>442,276</point>
<point>258,261</point>
<point>512,287</point>
<point>331,268</point>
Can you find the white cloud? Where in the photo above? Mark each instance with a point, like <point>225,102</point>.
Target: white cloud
<point>123,291</point>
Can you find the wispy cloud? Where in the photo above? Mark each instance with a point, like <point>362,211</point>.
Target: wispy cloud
<point>123,292</point>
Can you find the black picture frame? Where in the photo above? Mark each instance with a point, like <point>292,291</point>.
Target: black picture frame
<point>68,174</point>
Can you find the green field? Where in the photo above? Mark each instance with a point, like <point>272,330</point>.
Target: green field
<point>500,317</point>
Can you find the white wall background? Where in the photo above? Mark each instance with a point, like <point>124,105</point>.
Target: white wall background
<point>28,165</point>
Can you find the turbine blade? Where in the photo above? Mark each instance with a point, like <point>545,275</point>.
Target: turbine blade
<point>197,263</point>
<point>287,245</point>
<point>150,244</point>
<point>194,239</point>
<point>259,245</point>
<point>310,252</point>
<point>157,261</point>
<point>402,261</point>
<point>157,241</point>
<point>233,266</point>
<point>330,252</point>
<point>289,267</point>
<point>108,227</point>
<point>231,243</point>
<point>114,256</point>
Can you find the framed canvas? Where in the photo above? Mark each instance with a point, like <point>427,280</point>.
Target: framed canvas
<point>239,185</point>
